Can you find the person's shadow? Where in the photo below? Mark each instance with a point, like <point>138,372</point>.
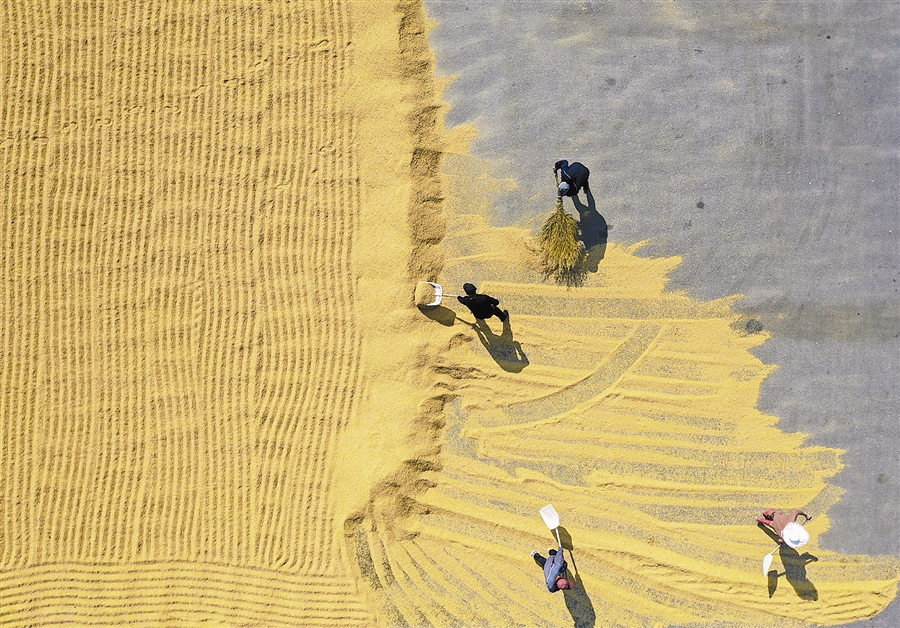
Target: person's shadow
<point>594,230</point>
<point>795,572</point>
<point>507,353</point>
<point>577,601</point>
<point>794,569</point>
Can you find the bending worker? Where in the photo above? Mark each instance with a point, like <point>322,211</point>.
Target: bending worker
<point>573,177</point>
<point>481,305</point>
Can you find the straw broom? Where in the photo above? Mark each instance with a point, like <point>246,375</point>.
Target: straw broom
<point>561,250</point>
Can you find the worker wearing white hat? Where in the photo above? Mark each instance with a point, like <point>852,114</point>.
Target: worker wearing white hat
<point>574,177</point>
<point>786,527</point>
<point>795,535</point>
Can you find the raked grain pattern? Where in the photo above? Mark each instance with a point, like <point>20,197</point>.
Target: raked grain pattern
<point>632,410</point>
<point>178,199</point>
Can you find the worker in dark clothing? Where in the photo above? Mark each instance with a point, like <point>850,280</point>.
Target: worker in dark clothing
<point>555,568</point>
<point>481,305</point>
<point>573,177</point>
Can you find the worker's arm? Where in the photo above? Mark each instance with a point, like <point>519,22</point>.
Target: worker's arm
<point>797,512</point>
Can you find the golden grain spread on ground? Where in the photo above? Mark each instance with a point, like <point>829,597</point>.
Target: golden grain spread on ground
<point>220,405</point>
<point>425,293</point>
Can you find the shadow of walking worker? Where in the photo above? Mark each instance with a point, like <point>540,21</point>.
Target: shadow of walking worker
<point>594,230</point>
<point>577,601</point>
<point>795,572</point>
<point>507,353</point>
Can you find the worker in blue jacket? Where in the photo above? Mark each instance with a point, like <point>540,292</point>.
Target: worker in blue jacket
<point>555,569</point>
<point>573,177</point>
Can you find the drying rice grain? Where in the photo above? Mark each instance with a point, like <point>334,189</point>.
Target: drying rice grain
<point>425,293</point>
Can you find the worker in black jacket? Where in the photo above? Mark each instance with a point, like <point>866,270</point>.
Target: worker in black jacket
<point>573,177</point>
<point>481,305</point>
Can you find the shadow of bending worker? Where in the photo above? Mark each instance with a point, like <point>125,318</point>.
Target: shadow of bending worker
<point>507,353</point>
<point>795,572</point>
<point>577,601</point>
<point>594,230</point>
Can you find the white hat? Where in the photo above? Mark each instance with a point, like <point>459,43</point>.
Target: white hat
<point>795,535</point>
<point>563,188</point>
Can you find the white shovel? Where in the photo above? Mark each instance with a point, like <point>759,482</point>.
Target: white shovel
<point>767,561</point>
<point>422,289</point>
<point>551,518</point>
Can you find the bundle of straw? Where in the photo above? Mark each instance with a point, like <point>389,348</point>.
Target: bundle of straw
<point>561,250</point>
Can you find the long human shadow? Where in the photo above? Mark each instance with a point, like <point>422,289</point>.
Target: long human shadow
<point>594,230</point>
<point>577,601</point>
<point>794,569</point>
<point>795,572</point>
<point>506,351</point>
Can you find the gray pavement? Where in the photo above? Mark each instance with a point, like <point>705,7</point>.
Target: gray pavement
<point>759,141</point>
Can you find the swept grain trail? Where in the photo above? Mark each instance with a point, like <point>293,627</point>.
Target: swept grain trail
<point>633,411</point>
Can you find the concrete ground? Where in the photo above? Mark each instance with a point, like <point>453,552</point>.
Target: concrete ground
<point>759,141</point>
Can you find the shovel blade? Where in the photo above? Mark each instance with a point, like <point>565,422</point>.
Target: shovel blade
<point>767,562</point>
<point>550,516</point>
<point>438,294</point>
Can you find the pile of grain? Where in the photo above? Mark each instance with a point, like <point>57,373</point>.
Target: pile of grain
<point>425,294</point>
